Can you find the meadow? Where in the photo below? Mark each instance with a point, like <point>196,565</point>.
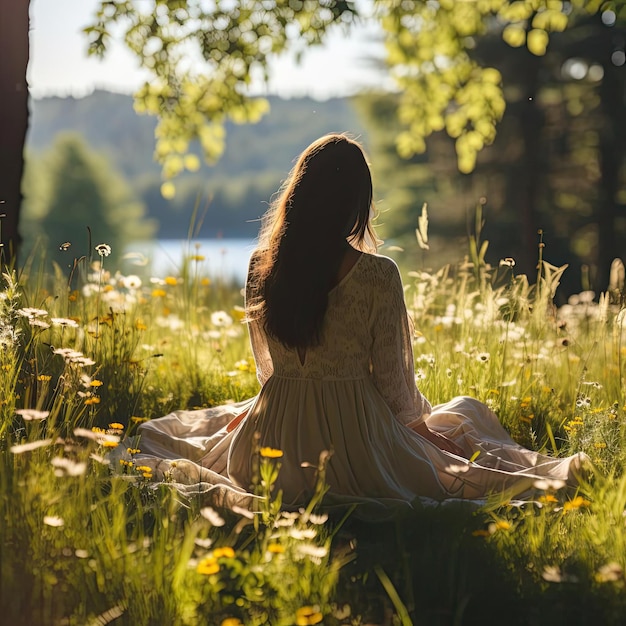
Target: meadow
<point>87,536</point>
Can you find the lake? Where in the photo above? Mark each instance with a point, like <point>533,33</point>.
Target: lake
<point>225,259</point>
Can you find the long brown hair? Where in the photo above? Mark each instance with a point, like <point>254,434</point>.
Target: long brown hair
<point>325,202</point>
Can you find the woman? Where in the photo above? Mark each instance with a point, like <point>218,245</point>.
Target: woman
<point>332,344</point>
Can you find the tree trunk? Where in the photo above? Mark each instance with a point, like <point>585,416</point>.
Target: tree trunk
<point>14,27</point>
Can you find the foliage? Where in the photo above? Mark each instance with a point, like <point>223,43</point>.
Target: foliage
<point>428,45</point>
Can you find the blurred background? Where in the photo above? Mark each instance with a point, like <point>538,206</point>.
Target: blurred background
<point>555,174</point>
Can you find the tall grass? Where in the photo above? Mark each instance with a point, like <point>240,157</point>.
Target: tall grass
<point>85,357</point>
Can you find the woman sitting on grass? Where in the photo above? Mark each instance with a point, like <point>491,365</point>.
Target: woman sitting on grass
<point>332,344</point>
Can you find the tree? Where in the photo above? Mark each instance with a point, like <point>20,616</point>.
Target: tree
<point>73,189</point>
<point>14,26</point>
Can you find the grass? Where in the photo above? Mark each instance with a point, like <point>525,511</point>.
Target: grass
<point>86,357</point>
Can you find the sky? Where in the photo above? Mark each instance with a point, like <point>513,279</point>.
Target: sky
<point>59,64</point>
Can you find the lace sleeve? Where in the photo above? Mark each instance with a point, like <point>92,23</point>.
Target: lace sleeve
<point>392,351</point>
<point>258,340</point>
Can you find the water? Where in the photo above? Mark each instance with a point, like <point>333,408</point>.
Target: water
<point>225,259</point>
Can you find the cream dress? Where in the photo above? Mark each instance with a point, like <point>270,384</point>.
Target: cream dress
<point>350,396</point>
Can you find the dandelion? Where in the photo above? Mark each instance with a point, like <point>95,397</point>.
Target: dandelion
<point>212,516</point>
<point>576,503</point>
<point>32,415</point>
<point>103,249</point>
<point>158,293</point>
<point>44,378</point>
<point>307,615</point>
<point>275,548</point>
<point>599,445</point>
<point>92,400</point>
<point>225,552</point>
<point>171,280</point>
<point>143,469</point>
<point>208,566</point>
<point>116,426</point>
<point>270,453</point>
<point>548,498</point>
<point>132,451</point>
<point>231,621</point>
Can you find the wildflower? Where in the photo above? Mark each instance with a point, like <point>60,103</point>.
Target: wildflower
<point>275,548</point>
<point>221,318</point>
<point>138,420</point>
<point>545,483</point>
<point>31,312</point>
<point>548,498</point>
<point>270,453</point>
<point>600,445</point>
<point>140,325</point>
<point>132,451</point>
<point>158,293</point>
<point>231,621</point>
<point>96,383</point>
<point>574,504</point>
<point>308,615</point>
<point>103,249</point>
<point>65,322</point>
<point>197,257</point>
<point>33,445</point>
<point>226,552</point>
<point>143,469</point>
<point>304,533</point>
<point>611,572</point>
<point>39,323</point>
<point>132,281</point>
<point>44,378</point>
<point>212,516</point>
<point>208,565</point>
<point>116,426</point>
<point>205,282</point>
<point>92,400</point>
<point>109,444</point>
<point>54,521</point>
<point>32,415</point>
<point>483,357</point>
<point>171,280</point>
<point>313,551</point>
<point>67,467</point>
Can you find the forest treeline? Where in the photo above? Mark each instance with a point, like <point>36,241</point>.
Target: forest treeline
<point>542,173</point>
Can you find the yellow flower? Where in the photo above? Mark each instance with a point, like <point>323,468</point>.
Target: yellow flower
<point>548,498</point>
<point>503,525</point>
<point>600,445</point>
<point>138,420</point>
<point>275,548</point>
<point>270,453</point>
<point>143,468</point>
<point>110,444</point>
<point>205,282</point>
<point>171,280</point>
<point>481,533</point>
<point>133,450</point>
<point>576,503</point>
<point>116,426</point>
<point>158,293</point>
<point>197,257</point>
<point>208,566</point>
<point>92,400</point>
<point>139,325</point>
<point>44,378</point>
<point>226,551</point>
<point>308,615</point>
<point>96,383</point>
<point>231,621</point>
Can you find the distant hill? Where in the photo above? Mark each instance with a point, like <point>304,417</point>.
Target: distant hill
<point>256,159</point>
